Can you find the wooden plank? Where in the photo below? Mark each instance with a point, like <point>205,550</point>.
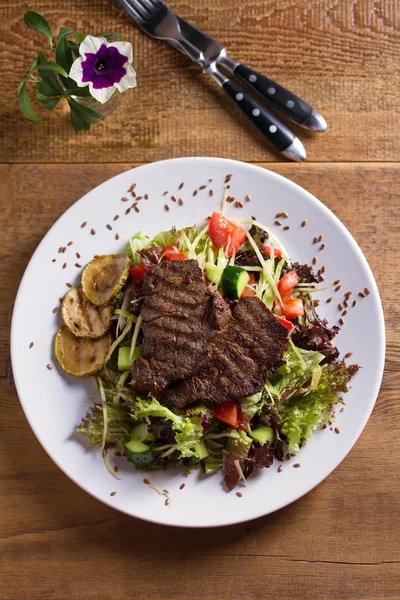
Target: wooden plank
<point>338,542</point>
<point>341,57</point>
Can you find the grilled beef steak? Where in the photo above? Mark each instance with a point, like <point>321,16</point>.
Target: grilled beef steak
<point>180,316</point>
<point>238,360</point>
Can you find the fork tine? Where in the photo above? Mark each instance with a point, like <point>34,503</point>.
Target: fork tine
<point>140,9</point>
<point>131,7</point>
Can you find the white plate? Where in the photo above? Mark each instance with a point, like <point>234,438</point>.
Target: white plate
<point>54,403</point>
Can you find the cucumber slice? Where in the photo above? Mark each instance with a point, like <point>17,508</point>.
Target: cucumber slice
<point>124,362</point>
<point>233,281</point>
<point>103,278</point>
<point>136,446</point>
<point>213,273</point>
<point>139,453</point>
<point>201,450</point>
<point>262,435</point>
<point>141,433</point>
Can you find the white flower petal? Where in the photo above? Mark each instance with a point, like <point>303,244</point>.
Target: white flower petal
<point>102,95</point>
<point>128,81</point>
<point>76,72</point>
<point>124,48</point>
<point>91,44</point>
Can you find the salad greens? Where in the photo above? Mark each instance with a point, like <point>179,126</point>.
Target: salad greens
<point>298,397</point>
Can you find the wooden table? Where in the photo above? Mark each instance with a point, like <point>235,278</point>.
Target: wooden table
<point>342,539</point>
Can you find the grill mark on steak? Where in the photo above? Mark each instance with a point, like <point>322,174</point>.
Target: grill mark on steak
<point>238,360</point>
<point>180,316</point>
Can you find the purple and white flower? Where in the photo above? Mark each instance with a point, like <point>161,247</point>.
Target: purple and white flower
<point>104,66</point>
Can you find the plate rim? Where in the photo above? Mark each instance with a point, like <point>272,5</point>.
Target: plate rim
<point>299,189</point>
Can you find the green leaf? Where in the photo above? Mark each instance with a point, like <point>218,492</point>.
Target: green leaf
<point>35,21</point>
<point>64,54</point>
<point>64,32</point>
<point>32,67</point>
<point>83,92</point>
<point>49,103</point>
<point>50,86</point>
<point>91,115</point>
<point>54,67</point>
<point>26,105</point>
<point>82,116</point>
<point>111,36</point>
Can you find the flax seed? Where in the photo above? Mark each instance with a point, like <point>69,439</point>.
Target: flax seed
<point>54,260</point>
<point>314,260</point>
<point>125,199</point>
<point>240,204</point>
<point>367,291</point>
<point>211,192</point>
<point>166,501</point>
<point>348,355</point>
<point>337,288</point>
<point>69,285</point>
<point>304,223</point>
<point>136,208</point>
<point>202,187</point>
<point>324,426</point>
<point>345,304</point>
<point>84,224</point>
<point>117,236</point>
<point>128,210</point>
<point>361,295</point>
<point>344,313</point>
<point>132,187</point>
<point>286,228</point>
<point>341,322</point>
<point>328,300</point>
<point>239,494</point>
<point>167,208</point>
<point>113,493</point>
<point>146,481</point>
<point>322,269</point>
<point>195,192</point>
<point>92,231</point>
<point>280,469</point>
<point>336,282</point>
<point>116,469</point>
<point>64,265</point>
<point>322,246</point>
<point>109,226</point>
<point>133,194</point>
<point>347,295</point>
<point>78,265</point>
<point>64,249</point>
<point>116,218</point>
<point>77,255</point>
<point>316,302</point>
<point>315,240</point>
<point>146,196</point>
<point>337,430</point>
<point>55,309</point>
<point>230,199</point>
<point>296,465</point>
<point>173,198</point>
<point>278,223</point>
<point>60,250</point>
<point>31,345</point>
<point>322,278</point>
<point>340,307</point>
<point>139,198</point>
<point>70,243</point>
<point>319,238</point>
<point>49,366</point>
<point>354,303</point>
<point>60,300</point>
<point>181,201</point>
<point>228,178</point>
<point>248,198</point>
<point>182,486</point>
<point>165,193</point>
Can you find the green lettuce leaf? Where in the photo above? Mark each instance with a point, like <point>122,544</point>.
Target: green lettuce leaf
<point>250,406</point>
<point>188,429</point>
<point>137,243</point>
<point>302,414</point>
<point>119,424</point>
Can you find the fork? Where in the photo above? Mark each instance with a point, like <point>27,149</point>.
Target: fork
<point>158,21</point>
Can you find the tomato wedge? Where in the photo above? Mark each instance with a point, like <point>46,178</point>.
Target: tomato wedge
<point>293,308</point>
<point>287,284</point>
<point>138,272</point>
<point>248,290</point>
<point>172,253</point>
<point>267,250</point>
<point>228,413</point>
<point>225,234</point>
<point>284,322</point>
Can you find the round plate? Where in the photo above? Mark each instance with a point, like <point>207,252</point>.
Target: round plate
<point>54,402</point>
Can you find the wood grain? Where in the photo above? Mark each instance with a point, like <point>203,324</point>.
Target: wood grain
<point>342,57</point>
<point>339,542</point>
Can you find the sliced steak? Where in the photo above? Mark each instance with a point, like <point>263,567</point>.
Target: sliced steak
<point>180,315</point>
<point>238,360</point>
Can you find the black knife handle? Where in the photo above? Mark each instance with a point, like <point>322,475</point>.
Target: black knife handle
<point>290,105</point>
<point>267,123</point>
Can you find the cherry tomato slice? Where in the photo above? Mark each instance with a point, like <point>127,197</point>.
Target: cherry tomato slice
<point>267,250</point>
<point>172,253</point>
<point>138,272</point>
<point>293,308</point>
<point>225,234</point>
<point>284,322</point>
<point>287,284</point>
<point>248,290</point>
<point>228,413</point>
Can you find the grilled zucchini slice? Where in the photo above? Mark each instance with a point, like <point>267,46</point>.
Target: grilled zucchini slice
<point>83,318</point>
<point>79,356</point>
<point>103,278</point>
